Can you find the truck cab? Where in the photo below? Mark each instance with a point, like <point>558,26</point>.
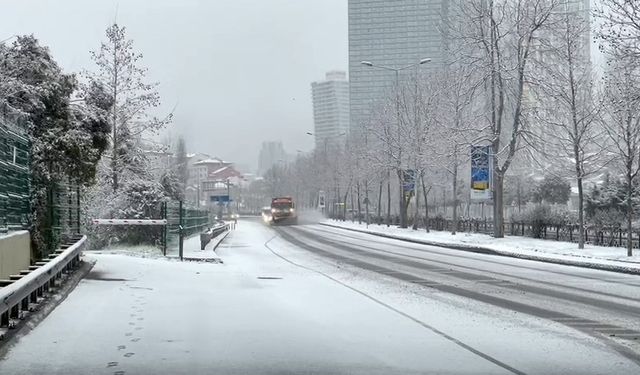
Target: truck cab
<point>283,210</point>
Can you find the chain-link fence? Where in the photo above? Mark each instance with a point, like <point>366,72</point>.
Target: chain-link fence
<point>14,179</point>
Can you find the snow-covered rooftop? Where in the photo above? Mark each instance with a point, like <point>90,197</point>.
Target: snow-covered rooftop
<point>220,170</point>
<point>212,161</point>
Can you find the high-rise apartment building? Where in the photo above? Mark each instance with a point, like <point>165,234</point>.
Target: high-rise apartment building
<point>392,33</point>
<point>580,10</point>
<point>330,108</point>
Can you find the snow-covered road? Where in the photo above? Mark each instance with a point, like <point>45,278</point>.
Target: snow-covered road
<point>316,300</point>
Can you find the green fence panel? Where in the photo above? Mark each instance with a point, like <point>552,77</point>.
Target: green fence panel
<point>183,222</point>
<point>14,180</point>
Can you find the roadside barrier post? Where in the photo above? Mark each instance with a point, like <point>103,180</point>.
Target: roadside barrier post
<point>181,231</point>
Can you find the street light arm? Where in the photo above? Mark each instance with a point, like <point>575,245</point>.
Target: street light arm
<point>382,67</point>
<point>423,61</point>
<point>372,65</point>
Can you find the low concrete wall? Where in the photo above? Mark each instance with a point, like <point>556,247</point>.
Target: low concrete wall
<point>15,253</point>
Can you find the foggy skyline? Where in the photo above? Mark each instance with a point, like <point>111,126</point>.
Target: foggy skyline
<point>237,72</point>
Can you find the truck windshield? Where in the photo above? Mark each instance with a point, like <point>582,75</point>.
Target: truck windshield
<point>281,205</point>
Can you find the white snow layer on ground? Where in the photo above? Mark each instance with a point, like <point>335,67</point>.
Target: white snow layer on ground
<point>135,315</point>
<point>510,245</point>
<point>191,249</point>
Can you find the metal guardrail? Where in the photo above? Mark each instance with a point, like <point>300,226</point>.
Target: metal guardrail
<point>21,290</point>
<point>182,222</point>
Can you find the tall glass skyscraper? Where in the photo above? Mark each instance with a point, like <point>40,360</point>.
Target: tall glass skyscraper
<point>393,33</point>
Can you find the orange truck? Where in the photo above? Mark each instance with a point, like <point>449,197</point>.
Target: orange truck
<point>283,211</point>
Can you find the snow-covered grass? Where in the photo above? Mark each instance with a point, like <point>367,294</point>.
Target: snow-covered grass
<point>141,251</point>
<point>191,249</point>
<point>558,251</point>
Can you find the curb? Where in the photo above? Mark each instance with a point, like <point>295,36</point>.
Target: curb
<point>488,251</point>
<point>220,238</point>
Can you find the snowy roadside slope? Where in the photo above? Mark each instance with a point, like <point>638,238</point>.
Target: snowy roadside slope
<point>596,257</point>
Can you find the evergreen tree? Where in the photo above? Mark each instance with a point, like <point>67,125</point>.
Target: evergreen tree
<point>67,139</point>
<point>552,189</point>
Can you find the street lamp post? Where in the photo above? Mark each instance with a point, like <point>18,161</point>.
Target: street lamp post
<point>403,223</point>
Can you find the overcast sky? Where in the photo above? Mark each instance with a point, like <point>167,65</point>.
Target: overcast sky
<point>238,71</point>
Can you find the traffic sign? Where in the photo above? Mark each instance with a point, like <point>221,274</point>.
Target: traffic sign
<point>321,199</point>
<point>220,198</point>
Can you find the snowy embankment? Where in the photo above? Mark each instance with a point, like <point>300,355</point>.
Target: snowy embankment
<point>597,257</point>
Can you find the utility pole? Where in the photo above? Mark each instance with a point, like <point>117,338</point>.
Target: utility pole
<point>228,197</point>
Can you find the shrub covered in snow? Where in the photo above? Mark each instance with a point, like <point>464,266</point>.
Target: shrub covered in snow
<point>135,200</point>
<point>539,216</point>
<point>606,205</point>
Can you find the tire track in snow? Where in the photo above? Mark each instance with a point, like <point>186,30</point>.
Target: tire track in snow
<point>401,313</point>
<point>583,325</point>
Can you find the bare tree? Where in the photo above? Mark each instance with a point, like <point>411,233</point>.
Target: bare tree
<point>458,119</point>
<point>383,145</point>
<point>619,34</point>
<point>569,106</point>
<point>622,125</point>
<point>619,31</point>
<point>499,37</point>
<point>120,73</point>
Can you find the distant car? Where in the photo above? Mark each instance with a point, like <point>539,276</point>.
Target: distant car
<point>228,217</point>
<point>266,214</point>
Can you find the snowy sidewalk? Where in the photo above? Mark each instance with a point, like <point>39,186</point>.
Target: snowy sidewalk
<point>596,257</point>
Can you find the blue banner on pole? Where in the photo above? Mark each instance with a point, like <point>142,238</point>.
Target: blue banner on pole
<point>481,158</point>
<point>408,180</point>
